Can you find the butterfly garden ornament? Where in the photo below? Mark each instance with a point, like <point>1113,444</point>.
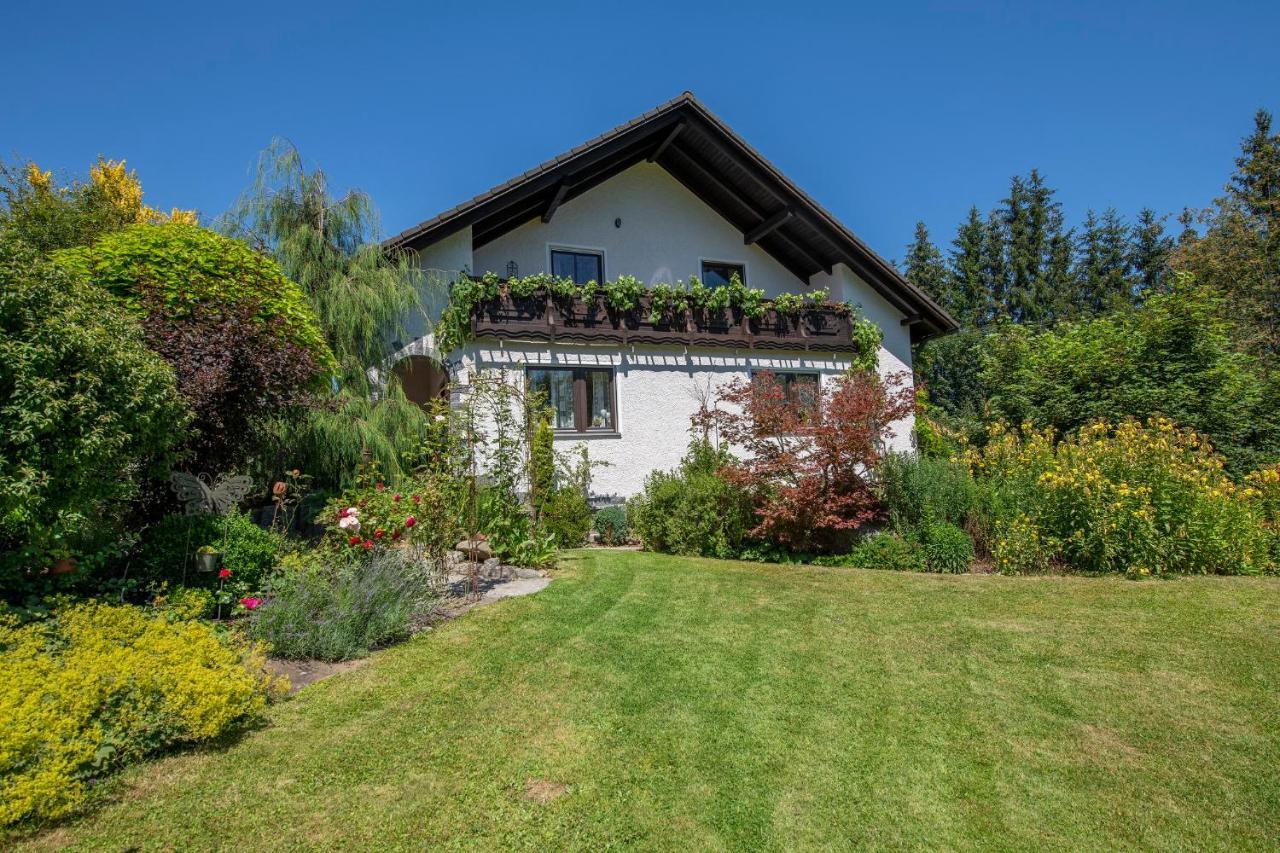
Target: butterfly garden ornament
<point>201,493</point>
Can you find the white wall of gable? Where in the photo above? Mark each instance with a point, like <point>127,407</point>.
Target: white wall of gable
<point>666,233</point>
<point>846,286</point>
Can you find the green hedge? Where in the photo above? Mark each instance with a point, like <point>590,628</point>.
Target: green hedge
<point>186,265</point>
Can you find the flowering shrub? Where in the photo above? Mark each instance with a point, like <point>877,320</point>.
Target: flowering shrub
<point>97,686</point>
<point>1265,483</point>
<point>422,516</point>
<point>1145,499</point>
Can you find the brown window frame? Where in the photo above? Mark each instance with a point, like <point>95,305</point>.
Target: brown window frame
<point>581,403</point>
<point>788,377</point>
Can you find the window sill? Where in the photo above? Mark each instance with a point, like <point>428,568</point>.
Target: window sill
<point>594,433</point>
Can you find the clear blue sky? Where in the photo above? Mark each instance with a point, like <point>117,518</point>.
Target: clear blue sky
<point>886,112</point>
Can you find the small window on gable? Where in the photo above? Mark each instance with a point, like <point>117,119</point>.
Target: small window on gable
<point>578,265</point>
<point>717,274</point>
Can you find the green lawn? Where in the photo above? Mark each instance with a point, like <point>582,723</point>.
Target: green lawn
<point>698,704</point>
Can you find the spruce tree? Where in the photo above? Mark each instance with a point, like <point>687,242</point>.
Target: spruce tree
<point>1239,252</point>
<point>994,269</point>
<point>924,268</point>
<point>1104,254</point>
<point>1255,186</point>
<point>1149,250</point>
<point>971,286</point>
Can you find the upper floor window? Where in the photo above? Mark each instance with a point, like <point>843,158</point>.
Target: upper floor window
<point>578,265</point>
<point>717,274</point>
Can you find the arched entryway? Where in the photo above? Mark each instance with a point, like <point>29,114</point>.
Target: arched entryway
<point>423,379</point>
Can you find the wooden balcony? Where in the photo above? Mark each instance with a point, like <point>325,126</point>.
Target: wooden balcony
<point>538,318</point>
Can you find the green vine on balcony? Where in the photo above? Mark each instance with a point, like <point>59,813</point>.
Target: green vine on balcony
<point>667,303</point>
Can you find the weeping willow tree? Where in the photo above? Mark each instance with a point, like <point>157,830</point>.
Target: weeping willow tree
<point>363,296</point>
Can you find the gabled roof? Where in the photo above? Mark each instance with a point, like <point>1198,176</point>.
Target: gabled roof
<point>714,163</point>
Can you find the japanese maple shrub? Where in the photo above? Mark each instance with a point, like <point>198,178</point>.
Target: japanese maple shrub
<point>807,464</point>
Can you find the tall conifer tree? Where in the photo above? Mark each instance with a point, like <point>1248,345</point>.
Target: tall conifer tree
<point>924,268</point>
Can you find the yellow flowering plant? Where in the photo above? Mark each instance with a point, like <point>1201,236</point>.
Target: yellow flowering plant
<point>1144,498</point>
<point>97,686</point>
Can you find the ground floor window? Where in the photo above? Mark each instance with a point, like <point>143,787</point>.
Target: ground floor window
<point>582,399</point>
<point>801,388</point>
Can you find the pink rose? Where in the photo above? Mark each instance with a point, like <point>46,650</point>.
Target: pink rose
<point>251,603</point>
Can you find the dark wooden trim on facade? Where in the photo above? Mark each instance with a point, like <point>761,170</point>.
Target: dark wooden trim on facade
<point>539,318</point>
<point>555,201</point>
<point>718,166</point>
<point>768,226</point>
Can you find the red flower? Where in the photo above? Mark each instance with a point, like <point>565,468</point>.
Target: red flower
<point>395,534</point>
<point>396,497</point>
<point>251,603</point>
<point>417,499</point>
<point>354,540</point>
<point>380,487</point>
<point>224,574</point>
<point>368,545</point>
<point>377,534</point>
<point>410,521</point>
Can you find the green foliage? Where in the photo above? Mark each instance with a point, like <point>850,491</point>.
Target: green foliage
<point>916,490</point>
<point>48,216</point>
<point>342,609</point>
<point>623,294</point>
<point>947,548</point>
<point>667,303</point>
<point>1135,498</point>
<point>611,524</point>
<point>88,413</point>
<point>1176,356</point>
<point>1239,252</point>
<point>166,549</point>
<point>880,551</point>
<point>185,267</point>
<point>567,518</point>
<point>692,510</point>
<point>363,297</point>
<point>96,687</point>
<point>542,467</point>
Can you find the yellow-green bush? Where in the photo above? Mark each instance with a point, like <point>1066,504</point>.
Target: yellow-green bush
<point>98,685</point>
<point>1131,497</point>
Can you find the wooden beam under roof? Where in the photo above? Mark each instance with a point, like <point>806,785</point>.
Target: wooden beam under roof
<point>667,140</point>
<point>767,226</point>
<point>710,177</point>
<point>560,192</point>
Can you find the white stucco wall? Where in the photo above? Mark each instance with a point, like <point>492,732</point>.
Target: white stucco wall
<point>658,391</point>
<point>441,263</point>
<point>666,233</point>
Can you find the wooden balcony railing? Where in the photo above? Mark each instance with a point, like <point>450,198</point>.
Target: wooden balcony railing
<point>539,318</point>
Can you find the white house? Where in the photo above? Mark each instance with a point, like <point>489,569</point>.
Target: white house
<point>671,194</point>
